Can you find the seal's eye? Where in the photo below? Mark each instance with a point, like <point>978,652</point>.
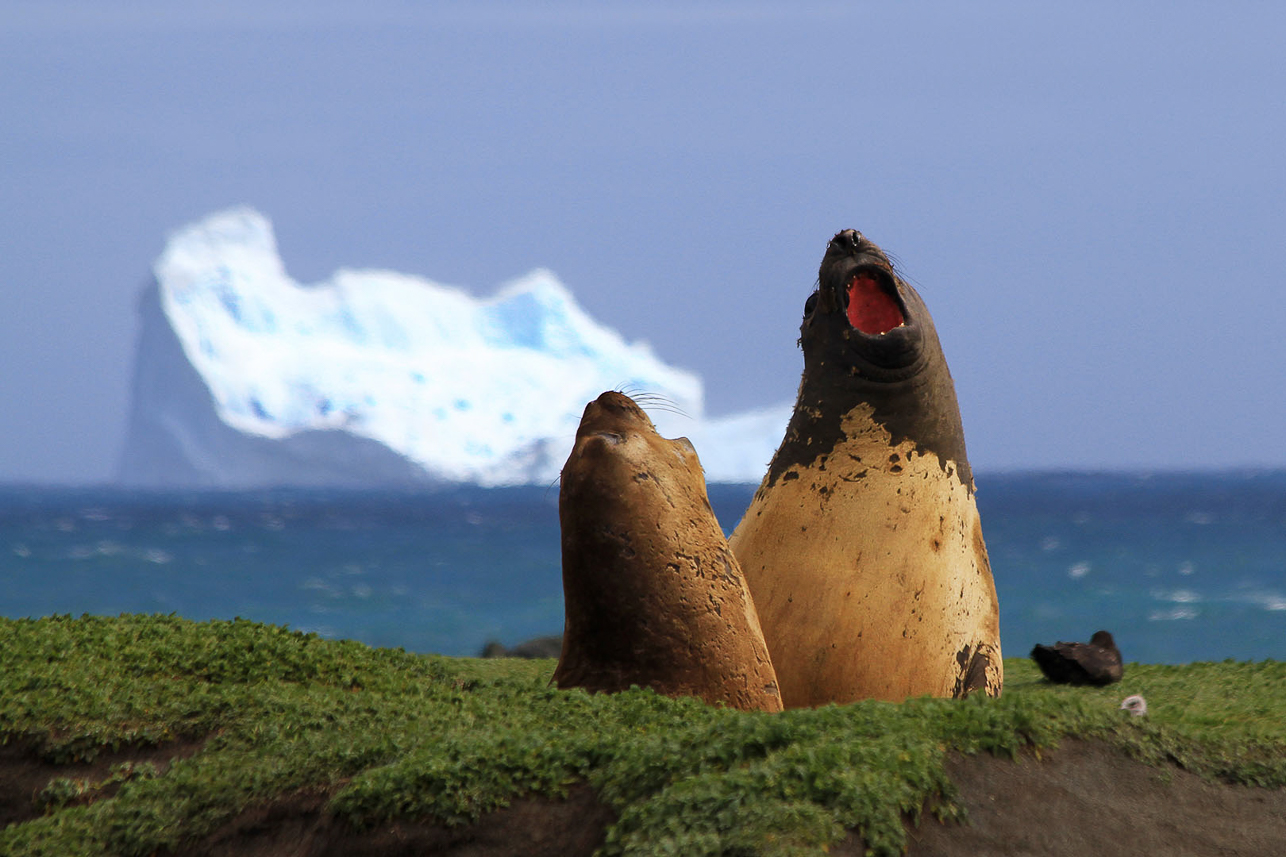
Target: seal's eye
<point>810,304</point>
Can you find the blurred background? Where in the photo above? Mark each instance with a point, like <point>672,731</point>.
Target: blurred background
<point>1089,197</point>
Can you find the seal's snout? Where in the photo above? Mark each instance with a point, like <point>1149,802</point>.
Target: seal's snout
<point>614,413</point>
<point>617,403</point>
<point>848,240</point>
<point>863,281</point>
<point>851,248</point>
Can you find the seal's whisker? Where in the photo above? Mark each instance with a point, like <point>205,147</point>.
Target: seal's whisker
<point>668,409</point>
<point>899,270</point>
<point>633,391</point>
<point>895,263</point>
<point>654,399</point>
<point>650,401</point>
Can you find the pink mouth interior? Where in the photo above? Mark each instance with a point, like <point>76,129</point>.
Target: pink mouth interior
<point>870,309</point>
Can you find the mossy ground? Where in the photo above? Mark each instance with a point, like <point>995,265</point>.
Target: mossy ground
<point>387,735</point>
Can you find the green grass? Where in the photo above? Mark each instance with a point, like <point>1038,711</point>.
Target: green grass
<point>393,735</point>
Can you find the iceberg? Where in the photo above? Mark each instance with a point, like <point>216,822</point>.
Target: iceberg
<point>246,378</point>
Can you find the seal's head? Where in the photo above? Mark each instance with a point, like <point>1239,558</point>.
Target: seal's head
<point>863,314</point>
<point>615,433</point>
<point>869,343</point>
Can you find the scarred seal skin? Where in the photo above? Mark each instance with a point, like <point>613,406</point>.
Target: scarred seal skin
<point>653,595</point>
<point>862,546</point>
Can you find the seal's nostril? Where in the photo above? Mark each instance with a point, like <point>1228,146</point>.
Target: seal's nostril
<point>848,240</point>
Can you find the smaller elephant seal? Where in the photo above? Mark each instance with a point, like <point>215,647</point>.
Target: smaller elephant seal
<point>1097,662</point>
<point>653,595</point>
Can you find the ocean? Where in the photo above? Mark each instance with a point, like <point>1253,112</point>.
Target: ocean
<point>1180,567</point>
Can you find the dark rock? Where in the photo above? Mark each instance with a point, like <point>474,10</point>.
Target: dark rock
<point>538,647</point>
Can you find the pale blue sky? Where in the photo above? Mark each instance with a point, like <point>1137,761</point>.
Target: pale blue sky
<point>1090,196</point>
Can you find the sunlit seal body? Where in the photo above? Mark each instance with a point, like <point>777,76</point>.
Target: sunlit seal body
<point>862,547</point>
<point>653,595</point>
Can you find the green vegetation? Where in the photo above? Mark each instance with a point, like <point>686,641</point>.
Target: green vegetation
<point>388,734</point>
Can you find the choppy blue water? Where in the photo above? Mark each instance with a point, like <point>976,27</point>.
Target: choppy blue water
<point>1180,567</point>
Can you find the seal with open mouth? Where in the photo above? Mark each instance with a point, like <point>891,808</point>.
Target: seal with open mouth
<point>653,595</point>
<point>862,547</point>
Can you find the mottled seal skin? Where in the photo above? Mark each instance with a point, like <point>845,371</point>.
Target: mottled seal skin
<point>654,597</point>
<point>862,546</point>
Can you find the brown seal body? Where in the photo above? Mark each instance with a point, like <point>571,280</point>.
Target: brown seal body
<point>654,597</point>
<point>862,547</point>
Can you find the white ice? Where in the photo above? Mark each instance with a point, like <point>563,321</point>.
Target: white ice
<point>487,391</point>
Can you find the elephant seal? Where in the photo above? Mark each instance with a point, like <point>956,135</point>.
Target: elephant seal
<point>653,595</point>
<point>862,546</point>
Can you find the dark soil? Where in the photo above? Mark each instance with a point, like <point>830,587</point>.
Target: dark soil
<point>297,826</point>
<point>24,773</point>
<point>1084,798</point>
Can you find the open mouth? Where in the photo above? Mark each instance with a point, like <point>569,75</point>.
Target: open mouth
<point>871,309</point>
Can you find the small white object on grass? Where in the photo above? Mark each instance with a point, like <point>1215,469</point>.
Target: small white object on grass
<point>1136,705</point>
